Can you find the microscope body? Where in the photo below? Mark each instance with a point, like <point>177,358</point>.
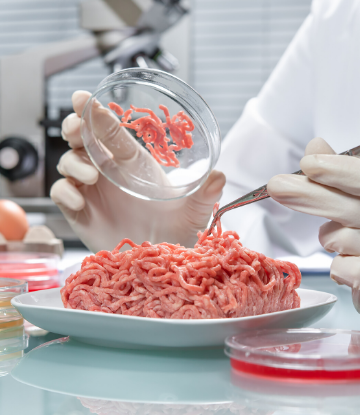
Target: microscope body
<point>120,31</point>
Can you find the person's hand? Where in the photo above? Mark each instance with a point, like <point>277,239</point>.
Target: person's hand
<point>331,189</point>
<point>100,213</point>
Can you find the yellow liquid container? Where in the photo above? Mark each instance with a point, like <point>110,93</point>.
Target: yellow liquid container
<point>12,351</point>
<point>11,321</point>
<point>13,339</point>
<point>9,288</point>
<point>5,299</point>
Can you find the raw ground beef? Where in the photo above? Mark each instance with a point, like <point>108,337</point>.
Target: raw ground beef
<point>153,132</point>
<point>218,278</point>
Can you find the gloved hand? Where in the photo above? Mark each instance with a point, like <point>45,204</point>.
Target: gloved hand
<point>331,189</point>
<point>101,214</point>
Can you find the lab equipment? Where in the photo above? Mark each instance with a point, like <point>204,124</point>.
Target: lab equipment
<point>9,288</point>
<point>11,326</point>
<point>39,270</point>
<point>12,344</point>
<point>13,339</point>
<point>139,173</point>
<point>262,193</point>
<point>307,354</point>
<point>122,32</point>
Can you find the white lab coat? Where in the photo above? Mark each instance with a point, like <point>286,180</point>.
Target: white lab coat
<point>314,91</point>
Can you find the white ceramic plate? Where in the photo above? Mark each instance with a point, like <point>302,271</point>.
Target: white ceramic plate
<point>45,309</point>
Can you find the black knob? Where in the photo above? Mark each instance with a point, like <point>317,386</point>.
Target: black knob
<point>18,158</point>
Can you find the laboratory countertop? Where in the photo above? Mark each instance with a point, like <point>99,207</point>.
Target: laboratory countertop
<point>59,376</point>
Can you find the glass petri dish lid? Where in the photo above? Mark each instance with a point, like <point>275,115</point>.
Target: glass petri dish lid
<point>306,354</point>
<point>39,270</point>
<point>10,314</point>
<point>13,345</point>
<point>121,154</point>
<point>11,324</point>
<point>9,288</point>
<point>12,350</point>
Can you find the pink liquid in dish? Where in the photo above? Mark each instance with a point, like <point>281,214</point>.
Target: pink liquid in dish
<point>40,271</point>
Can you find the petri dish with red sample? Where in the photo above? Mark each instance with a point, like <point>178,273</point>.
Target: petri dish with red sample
<point>162,140</point>
<point>39,270</point>
<point>296,355</point>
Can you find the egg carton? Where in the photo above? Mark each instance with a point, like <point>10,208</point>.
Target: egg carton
<point>37,239</point>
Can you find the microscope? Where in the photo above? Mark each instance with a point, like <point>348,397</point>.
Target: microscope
<point>123,32</point>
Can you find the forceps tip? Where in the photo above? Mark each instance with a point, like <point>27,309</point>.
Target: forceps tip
<point>213,222</point>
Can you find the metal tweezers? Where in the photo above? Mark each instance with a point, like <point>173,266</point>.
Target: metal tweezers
<point>261,193</point>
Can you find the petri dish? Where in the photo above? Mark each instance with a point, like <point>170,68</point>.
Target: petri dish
<point>9,288</point>
<point>125,159</point>
<point>10,322</point>
<point>9,361</point>
<point>12,350</point>
<point>305,355</point>
<point>13,345</point>
<point>39,270</point>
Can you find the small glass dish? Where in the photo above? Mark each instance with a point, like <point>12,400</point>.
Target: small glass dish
<point>9,288</point>
<point>305,355</point>
<point>149,179</point>
<point>12,350</point>
<point>9,361</point>
<point>13,345</point>
<point>10,321</point>
<point>39,270</point>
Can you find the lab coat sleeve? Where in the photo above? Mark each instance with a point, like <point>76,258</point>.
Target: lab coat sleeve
<point>270,138</point>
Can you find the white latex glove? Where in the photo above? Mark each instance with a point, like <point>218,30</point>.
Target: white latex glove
<point>101,214</point>
<point>331,190</point>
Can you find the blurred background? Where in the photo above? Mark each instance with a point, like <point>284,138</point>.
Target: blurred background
<point>50,48</point>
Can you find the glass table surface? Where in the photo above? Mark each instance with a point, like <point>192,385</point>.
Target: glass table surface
<point>66,377</point>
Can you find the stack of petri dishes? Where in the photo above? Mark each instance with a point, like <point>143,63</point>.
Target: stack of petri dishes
<point>40,270</point>
<point>13,339</point>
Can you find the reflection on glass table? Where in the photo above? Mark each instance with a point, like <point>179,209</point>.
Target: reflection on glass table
<point>66,377</point>
<point>101,407</point>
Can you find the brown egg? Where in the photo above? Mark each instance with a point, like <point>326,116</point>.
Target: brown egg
<point>13,221</point>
